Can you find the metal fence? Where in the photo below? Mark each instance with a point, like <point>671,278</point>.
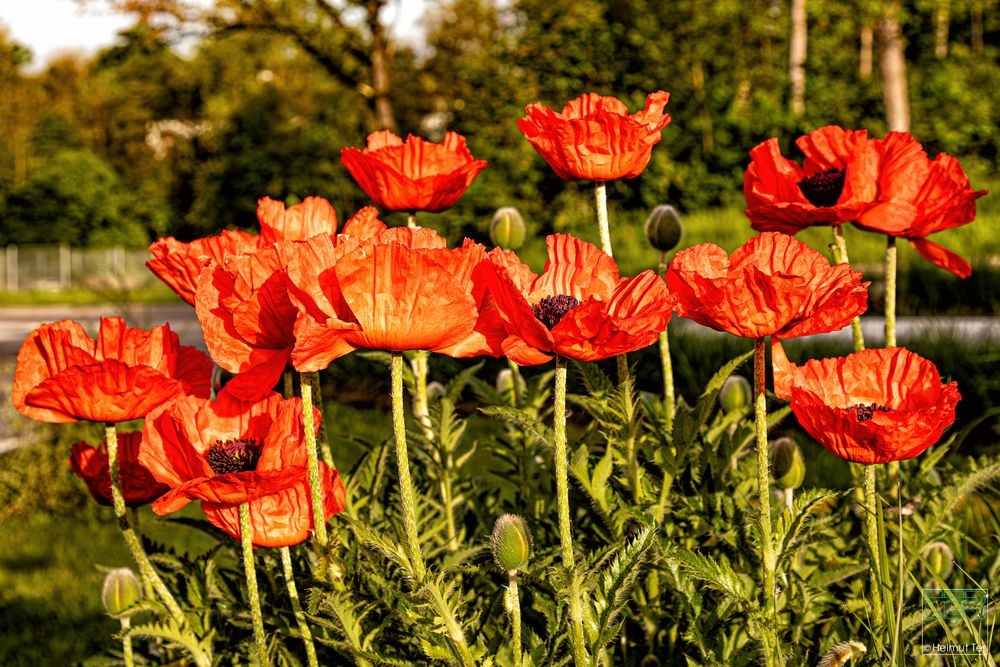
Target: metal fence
<point>26,268</point>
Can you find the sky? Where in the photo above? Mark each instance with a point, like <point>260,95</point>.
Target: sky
<point>50,27</point>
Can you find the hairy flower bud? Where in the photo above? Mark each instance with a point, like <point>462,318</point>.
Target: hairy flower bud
<point>842,653</point>
<point>940,559</point>
<point>735,394</point>
<point>507,228</point>
<point>121,590</point>
<point>511,542</point>
<point>664,228</point>
<point>787,464</point>
<point>505,381</point>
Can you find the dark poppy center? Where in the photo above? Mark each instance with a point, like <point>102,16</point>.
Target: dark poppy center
<point>823,189</point>
<point>238,455</point>
<point>866,412</point>
<point>552,308</point>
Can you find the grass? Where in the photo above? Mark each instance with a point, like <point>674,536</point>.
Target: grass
<point>82,296</point>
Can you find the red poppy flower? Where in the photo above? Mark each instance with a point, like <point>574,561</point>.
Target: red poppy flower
<point>312,216</point>
<point>178,264</point>
<point>835,184</point>
<point>228,452</point>
<point>401,290</point>
<point>63,375</point>
<point>578,307</point>
<point>414,175</point>
<point>245,312</point>
<point>595,138</point>
<point>919,196</point>
<point>90,464</point>
<point>873,406</point>
<point>773,285</point>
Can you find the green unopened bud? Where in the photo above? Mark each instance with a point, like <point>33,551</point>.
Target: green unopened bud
<point>507,228</point>
<point>505,381</point>
<point>787,464</point>
<point>511,542</point>
<point>940,559</point>
<point>121,590</point>
<point>664,228</point>
<point>735,394</point>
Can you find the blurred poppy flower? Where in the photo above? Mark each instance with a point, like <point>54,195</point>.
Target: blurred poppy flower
<point>595,138</point>
<point>311,216</point>
<point>920,196</point>
<point>402,289</point>
<point>90,464</point>
<point>872,406</point>
<point>228,452</point>
<point>178,264</point>
<point>415,175</point>
<point>773,285</point>
<point>836,182</point>
<point>63,375</point>
<point>245,312</point>
<point>579,307</point>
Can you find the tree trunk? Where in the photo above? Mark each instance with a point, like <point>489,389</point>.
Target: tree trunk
<point>797,57</point>
<point>380,70</point>
<point>892,64</point>
<point>941,17</point>
<point>865,56</point>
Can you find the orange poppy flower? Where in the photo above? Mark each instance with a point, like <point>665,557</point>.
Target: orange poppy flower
<point>414,175</point>
<point>835,184</point>
<point>400,290</point>
<point>63,375</point>
<point>773,285</point>
<point>579,307</point>
<point>228,452</point>
<point>311,216</point>
<point>919,197</point>
<point>90,464</point>
<point>245,312</point>
<point>178,264</point>
<point>595,138</point>
<point>872,406</point>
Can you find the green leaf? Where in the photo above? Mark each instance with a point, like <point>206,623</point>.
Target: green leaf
<point>789,527</point>
<point>717,575</point>
<point>614,586</point>
<point>521,419</point>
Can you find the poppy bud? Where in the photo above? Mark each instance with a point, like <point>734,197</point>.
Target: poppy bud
<point>507,228</point>
<point>505,381</point>
<point>664,228</point>
<point>121,590</point>
<point>940,559</point>
<point>511,542</point>
<point>787,464</point>
<point>735,394</point>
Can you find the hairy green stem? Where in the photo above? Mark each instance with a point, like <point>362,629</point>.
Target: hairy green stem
<point>131,535</point>
<point>763,474</point>
<point>403,465</point>
<point>514,374</point>
<point>411,220</point>
<point>840,256</point>
<point>300,617</point>
<point>562,500</point>
<point>871,534</point>
<point>127,642</point>
<point>246,538</point>
<point>514,609</point>
<point>601,203</point>
<point>315,486</point>
<point>459,645</point>
<point>322,441</point>
<point>669,400</point>
<point>890,291</point>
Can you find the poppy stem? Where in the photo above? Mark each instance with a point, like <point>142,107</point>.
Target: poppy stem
<point>127,642</point>
<point>890,291</point>
<point>871,533</point>
<point>300,617</point>
<point>411,220</point>
<point>562,500</point>
<point>131,535</point>
<point>514,609</point>
<point>321,440</point>
<point>669,400</point>
<point>246,537</point>
<point>403,466</point>
<point>763,474</point>
<point>315,487</point>
<point>601,203</point>
<point>839,249</point>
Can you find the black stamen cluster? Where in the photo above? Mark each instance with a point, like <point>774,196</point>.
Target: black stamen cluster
<point>866,412</point>
<point>552,308</point>
<point>237,455</point>
<point>823,189</point>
